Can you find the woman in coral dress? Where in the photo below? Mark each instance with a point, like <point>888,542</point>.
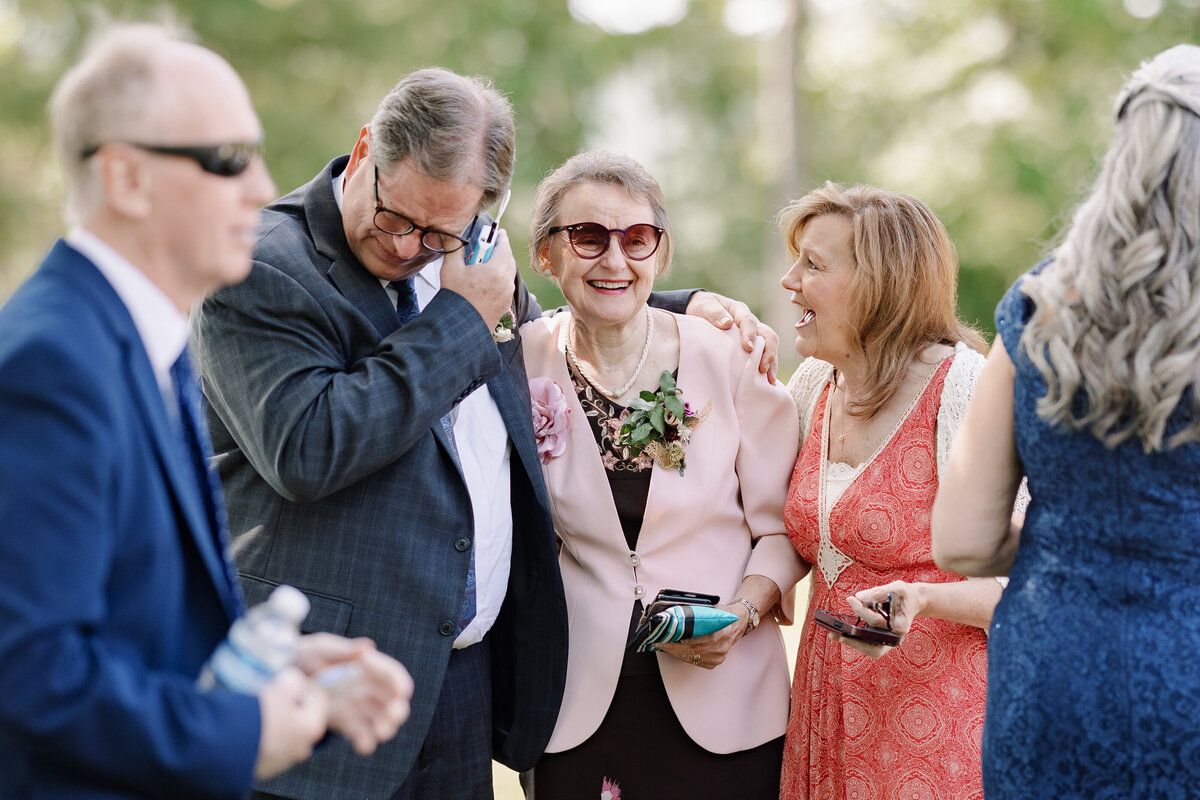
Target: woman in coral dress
<point>889,371</point>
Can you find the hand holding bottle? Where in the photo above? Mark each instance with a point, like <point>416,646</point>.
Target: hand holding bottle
<point>369,692</point>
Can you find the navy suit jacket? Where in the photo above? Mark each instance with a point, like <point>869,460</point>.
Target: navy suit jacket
<point>325,418</point>
<point>113,585</point>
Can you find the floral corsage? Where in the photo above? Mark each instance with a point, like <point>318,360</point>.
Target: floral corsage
<point>661,424</point>
<point>551,416</point>
<point>505,329</point>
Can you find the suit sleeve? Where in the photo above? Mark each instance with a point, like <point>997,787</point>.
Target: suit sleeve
<point>675,301</point>
<point>765,459</point>
<point>313,412</point>
<point>74,688</point>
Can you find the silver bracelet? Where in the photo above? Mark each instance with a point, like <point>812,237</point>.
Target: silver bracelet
<point>754,616</point>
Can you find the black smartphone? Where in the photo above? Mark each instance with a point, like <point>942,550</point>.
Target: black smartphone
<point>675,596</point>
<point>852,627</point>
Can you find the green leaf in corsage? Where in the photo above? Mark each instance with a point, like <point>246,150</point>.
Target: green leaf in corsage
<point>661,424</point>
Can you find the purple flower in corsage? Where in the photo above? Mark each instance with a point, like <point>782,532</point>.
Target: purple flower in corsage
<point>550,418</point>
<point>660,425</point>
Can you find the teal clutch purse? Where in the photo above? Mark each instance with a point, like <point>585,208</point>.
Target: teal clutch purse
<point>660,625</point>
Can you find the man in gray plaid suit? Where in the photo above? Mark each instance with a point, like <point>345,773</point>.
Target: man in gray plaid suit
<point>376,445</point>
<point>377,458</point>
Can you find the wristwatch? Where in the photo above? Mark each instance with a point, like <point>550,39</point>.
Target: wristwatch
<point>754,618</point>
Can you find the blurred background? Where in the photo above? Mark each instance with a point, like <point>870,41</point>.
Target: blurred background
<point>992,111</point>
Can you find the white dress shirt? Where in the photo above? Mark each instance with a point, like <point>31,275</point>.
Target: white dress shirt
<point>161,326</point>
<point>485,452</point>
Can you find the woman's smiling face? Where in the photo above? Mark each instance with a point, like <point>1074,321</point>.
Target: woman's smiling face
<point>820,283</point>
<point>612,289</point>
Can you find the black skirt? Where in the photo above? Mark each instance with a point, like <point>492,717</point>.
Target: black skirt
<point>642,749</point>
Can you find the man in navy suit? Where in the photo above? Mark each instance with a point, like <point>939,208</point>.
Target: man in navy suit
<point>376,445</point>
<point>114,587</point>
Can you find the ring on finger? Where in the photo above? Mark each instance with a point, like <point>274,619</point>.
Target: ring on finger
<point>696,659</point>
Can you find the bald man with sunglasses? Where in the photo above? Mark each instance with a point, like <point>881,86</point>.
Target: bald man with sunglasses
<point>114,587</point>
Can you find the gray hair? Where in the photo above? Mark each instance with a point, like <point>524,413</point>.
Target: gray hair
<point>103,97</point>
<point>597,166</point>
<point>454,128</point>
<point>1118,312</point>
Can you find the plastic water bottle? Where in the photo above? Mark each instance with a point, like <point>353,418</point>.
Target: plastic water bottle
<point>258,645</point>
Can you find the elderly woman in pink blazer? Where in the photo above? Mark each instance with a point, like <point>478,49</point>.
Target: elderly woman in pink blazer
<point>693,503</point>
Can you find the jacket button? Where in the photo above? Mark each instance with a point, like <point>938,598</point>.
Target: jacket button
<point>462,544</point>
<point>639,590</point>
<point>634,560</point>
<point>446,628</point>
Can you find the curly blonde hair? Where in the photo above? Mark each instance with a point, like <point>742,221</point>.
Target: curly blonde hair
<point>1116,330</point>
<point>903,296</point>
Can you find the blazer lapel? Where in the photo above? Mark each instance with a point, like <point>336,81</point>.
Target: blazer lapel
<point>666,484</point>
<point>94,289</point>
<point>579,473</point>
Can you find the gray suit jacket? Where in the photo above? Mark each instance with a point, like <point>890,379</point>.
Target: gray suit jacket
<point>325,420</point>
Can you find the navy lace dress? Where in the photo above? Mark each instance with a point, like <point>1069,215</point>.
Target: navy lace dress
<point>1094,656</point>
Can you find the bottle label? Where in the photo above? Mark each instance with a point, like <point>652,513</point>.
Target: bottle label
<point>239,671</point>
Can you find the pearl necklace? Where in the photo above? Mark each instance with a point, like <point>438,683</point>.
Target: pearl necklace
<point>612,393</point>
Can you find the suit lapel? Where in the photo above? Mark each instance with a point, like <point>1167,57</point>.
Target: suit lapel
<point>352,280</point>
<point>579,473</point>
<point>94,289</point>
<point>510,391</point>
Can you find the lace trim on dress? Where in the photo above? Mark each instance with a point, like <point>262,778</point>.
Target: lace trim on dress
<point>830,559</point>
<point>806,385</point>
<point>956,394</point>
<point>961,379</point>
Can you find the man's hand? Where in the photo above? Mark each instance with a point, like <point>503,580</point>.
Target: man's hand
<point>369,692</point>
<point>294,712</point>
<point>722,312</point>
<point>488,286</point>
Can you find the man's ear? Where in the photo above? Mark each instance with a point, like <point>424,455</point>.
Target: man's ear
<point>125,182</point>
<point>359,153</point>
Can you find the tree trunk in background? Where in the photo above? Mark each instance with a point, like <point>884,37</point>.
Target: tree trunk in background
<point>781,115</point>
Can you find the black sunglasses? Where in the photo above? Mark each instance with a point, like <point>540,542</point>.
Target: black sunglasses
<point>396,224</point>
<point>226,160</point>
<point>590,239</point>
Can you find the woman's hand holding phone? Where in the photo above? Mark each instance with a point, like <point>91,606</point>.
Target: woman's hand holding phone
<point>880,616</point>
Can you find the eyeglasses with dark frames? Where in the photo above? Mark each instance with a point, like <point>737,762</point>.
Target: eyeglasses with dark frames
<point>227,160</point>
<point>396,224</point>
<point>591,239</point>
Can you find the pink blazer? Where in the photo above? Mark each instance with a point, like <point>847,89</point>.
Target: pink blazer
<point>702,532</point>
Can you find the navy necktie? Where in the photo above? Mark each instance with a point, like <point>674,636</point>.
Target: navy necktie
<point>197,449</point>
<point>406,312</point>
<point>406,300</point>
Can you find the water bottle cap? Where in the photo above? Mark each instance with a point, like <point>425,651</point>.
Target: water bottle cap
<point>289,602</point>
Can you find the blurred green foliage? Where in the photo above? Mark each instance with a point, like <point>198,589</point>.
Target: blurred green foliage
<point>992,111</point>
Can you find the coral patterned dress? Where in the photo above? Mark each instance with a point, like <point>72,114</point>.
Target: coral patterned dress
<point>907,726</point>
